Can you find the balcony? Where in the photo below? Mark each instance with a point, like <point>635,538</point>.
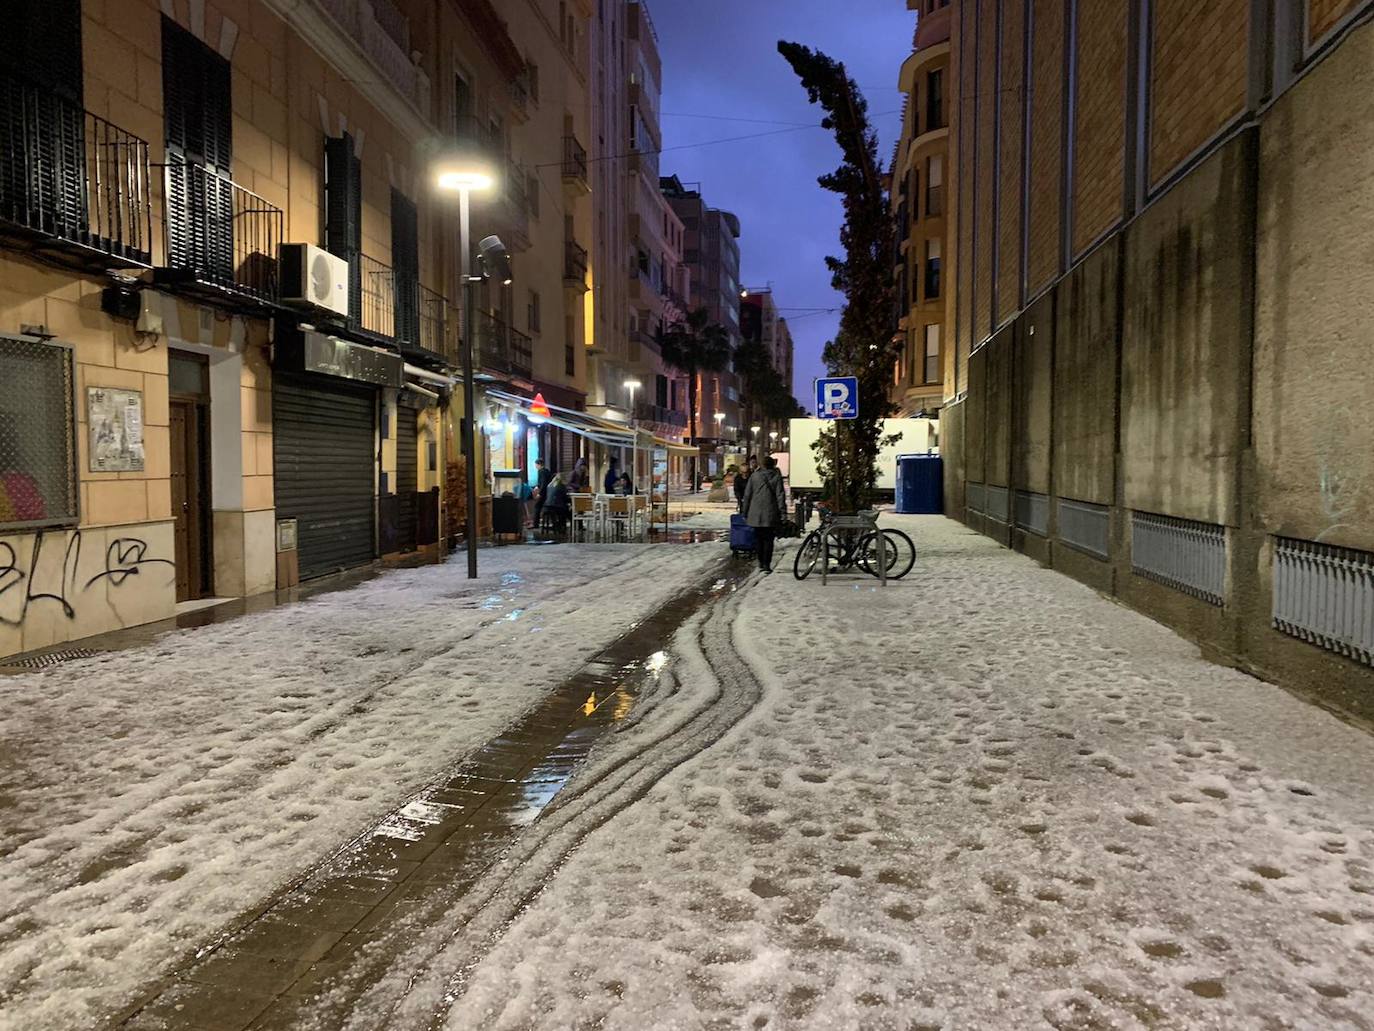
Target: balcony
<point>645,412</point>
<point>221,238</point>
<point>378,30</point>
<point>72,182</point>
<point>575,265</point>
<point>471,130</point>
<point>392,306</point>
<point>575,175</point>
<point>516,200</point>
<point>499,349</point>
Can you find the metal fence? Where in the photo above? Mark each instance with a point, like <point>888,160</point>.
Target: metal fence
<point>38,476</point>
<point>574,160</point>
<point>574,262</point>
<point>1184,554</point>
<point>377,306</point>
<point>70,174</point>
<point>1033,512</point>
<point>1325,595</point>
<point>220,234</point>
<point>499,348</point>
<point>1085,527</point>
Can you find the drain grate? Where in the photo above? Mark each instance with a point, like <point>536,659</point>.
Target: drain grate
<point>52,658</point>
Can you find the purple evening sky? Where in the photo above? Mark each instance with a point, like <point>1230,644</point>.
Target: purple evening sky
<point>720,59</point>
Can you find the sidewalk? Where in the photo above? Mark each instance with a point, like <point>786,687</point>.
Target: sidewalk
<point>149,797</point>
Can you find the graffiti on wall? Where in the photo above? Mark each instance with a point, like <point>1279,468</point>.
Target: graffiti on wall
<point>47,570</point>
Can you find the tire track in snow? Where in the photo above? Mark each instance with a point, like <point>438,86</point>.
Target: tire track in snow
<point>425,980</point>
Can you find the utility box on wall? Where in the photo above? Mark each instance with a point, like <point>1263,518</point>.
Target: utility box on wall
<point>288,563</point>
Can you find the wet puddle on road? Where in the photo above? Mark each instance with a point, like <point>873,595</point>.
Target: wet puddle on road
<point>426,852</point>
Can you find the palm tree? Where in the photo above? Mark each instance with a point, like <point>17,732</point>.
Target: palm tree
<point>693,346</point>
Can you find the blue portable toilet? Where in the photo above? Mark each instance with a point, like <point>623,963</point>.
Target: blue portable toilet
<point>920,485</point>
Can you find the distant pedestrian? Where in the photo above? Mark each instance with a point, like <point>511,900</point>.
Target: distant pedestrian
<point>741,478</point>
<point>558,506</point>
<point>612,477</point>
<point>764,508</point>
<point>542,476</point>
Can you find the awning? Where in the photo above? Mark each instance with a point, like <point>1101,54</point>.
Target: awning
<point>682,450</point>
<point>596,430</point>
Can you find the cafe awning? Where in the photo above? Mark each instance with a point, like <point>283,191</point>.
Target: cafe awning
<point>596,430</point>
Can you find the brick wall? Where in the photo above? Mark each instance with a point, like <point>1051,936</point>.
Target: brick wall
<point>985,167</point>
<point>1323,15</point>
<point>1045,137</point>
<point>1099,120</point>
<point>1198,76</point>
<point>1011,98</point>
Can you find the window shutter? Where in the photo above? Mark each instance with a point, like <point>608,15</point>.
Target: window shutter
<point>343,228</point>
<point>405,256</point>
<point>198,124</point>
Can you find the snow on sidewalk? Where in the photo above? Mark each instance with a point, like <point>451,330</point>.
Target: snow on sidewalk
<point>983,797</point>
<point>149,796</point>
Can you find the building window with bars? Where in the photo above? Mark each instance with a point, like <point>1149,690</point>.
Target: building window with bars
<point>38,476</point>
<point>932,354</point>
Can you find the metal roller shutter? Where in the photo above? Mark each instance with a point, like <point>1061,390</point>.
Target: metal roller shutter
<point>407,472</point>
<point>325,453</point>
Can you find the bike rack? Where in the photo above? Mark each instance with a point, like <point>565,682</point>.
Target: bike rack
<point>863,521</point>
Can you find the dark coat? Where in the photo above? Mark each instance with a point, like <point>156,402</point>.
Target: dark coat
<point>558,498</point>
<point>764,502</point>
<point>542,483</point>
<point>612,476</point>
<point>741,478</point>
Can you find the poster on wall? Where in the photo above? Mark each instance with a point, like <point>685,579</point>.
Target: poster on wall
<point>115,418</point>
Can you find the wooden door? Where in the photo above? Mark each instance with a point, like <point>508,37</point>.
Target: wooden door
<point>188,499</point>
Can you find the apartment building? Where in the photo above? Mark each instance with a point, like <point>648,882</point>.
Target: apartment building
<point>229,288</point>
<point>1160,316</point>
<point>761,321</point>
<point>710,252</point>
<point>657,278</point>
<point>917,191</point>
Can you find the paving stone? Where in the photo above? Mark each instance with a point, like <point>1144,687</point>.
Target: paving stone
<point>272,935</point>
<point>190,1005</point>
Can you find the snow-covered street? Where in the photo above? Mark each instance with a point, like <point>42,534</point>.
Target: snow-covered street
<point>981,797</point>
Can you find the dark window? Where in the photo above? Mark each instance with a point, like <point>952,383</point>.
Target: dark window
<point>38,478</point>
<point>932,285</point>
<point>932,354</point>
<point>935,100</point>
<point>43,174</point>
<point>343,211</point>
<point>532,314</point>
<point>570,345</point>
<point>405,257</point>
<point>200,200</point>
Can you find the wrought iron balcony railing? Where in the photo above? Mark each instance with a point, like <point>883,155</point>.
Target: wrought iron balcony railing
<point>574,162</point>
<point>392,304</point>
<point>574,263</point>
<point>645,412</point>
<point>500,349</point>
<point>220,235</point>
<point>433,326</point>
<point>72,176</point>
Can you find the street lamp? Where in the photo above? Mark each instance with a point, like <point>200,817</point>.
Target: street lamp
<point>464,174</point>
<point>754,437</point>
<point>773,438</point>
<point>720,419</point>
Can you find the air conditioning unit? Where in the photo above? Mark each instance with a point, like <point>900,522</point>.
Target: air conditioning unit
<point>313,278</point>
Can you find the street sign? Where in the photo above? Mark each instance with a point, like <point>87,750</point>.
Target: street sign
<point>837,398</point>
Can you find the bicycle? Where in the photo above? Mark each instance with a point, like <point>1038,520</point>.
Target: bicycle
<point>869,551</point>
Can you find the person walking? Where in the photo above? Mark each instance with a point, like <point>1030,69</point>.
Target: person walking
<point>764,508</point>
<point>741,478</point>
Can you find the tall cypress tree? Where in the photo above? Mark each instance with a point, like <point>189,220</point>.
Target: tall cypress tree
<point>866,345</point>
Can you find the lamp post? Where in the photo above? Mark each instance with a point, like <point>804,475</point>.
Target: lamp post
<point>463,178</point>
<point>754,437</point>
<point>773,439</point>
<point>632,385</point>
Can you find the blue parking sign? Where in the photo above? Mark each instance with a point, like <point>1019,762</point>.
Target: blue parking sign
<point>837,397</point>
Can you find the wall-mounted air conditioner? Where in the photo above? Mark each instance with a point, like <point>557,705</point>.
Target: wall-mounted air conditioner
<point>313,278</point>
